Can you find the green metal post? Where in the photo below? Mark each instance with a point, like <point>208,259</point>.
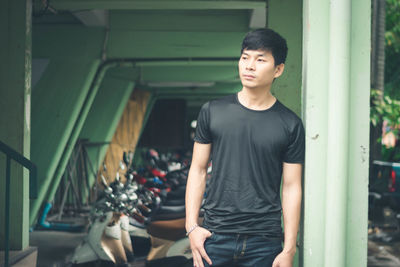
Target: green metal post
<point>15,115</point>
<point>7,217</point>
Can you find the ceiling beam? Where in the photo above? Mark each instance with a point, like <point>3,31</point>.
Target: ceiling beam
<point>173,44</point>
<point>188,63</point>
<point>258,18</point>
<point>181,20</point>
<point>218,88</point>
<point>154,5</point>
<point>93,18</point>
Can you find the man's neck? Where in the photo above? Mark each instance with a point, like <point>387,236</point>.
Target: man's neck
<point>256,98</point>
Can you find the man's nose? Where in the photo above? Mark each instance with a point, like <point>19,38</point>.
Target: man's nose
<point>250,65</point>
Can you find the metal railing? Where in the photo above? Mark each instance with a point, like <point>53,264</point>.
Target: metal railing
<point>12,154</point>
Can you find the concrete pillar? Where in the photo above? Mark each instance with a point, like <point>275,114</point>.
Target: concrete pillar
<point>15,113</point>
<point>336,44</point>
<point>61,98</point>
<point>56,108</point>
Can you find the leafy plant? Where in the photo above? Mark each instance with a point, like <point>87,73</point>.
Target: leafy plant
<point>384,108</point>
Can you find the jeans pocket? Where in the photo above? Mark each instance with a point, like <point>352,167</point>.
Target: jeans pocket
<point>272,241</point>
<point>211,237</point>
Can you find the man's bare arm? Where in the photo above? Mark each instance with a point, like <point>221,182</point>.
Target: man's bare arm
<point>291,205</point>
<point>194,195</point>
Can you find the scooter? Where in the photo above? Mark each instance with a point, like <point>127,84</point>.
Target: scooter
<point>102,244</point>
<point>132,210</point>
<point>166,230</point>
<point>108,240</point>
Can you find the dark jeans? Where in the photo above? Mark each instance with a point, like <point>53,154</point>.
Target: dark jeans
<point>244,250</point>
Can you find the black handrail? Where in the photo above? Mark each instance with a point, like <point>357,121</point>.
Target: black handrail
<point>12,154</point>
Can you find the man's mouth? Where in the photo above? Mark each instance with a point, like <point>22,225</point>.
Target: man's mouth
<point>248,76</point>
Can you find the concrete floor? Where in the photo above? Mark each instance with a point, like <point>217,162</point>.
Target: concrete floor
<point>382,254</point>
<point>54,246</point>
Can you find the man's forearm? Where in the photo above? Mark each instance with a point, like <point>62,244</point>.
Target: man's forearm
<point>194,194</point>
<point>291,203</point>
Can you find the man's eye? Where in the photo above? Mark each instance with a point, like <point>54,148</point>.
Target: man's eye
<point>261,60</point>
<point>244,58</point>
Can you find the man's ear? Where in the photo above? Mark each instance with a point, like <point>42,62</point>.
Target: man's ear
<point>279,70</point>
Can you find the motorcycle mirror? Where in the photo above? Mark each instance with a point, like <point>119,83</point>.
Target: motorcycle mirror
<point>120,185</point>
<point>121,165</point>
<point>135,186</point>
<point>104,167</point>
<point>130,155</point>
<point>133,197</point>
<point>108,190</point>
<point>125,158</point>
<point>103,181</point>
<point>123,197</point>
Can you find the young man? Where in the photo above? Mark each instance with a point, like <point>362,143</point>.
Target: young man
<point>254,142</point>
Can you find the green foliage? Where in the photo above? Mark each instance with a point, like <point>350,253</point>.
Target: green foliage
<point>392,49</point>
<point>393,24</point>
<point>384,108</point>
<point>387,107</point>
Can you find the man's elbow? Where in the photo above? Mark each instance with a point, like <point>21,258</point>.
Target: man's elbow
<point>292,184</point>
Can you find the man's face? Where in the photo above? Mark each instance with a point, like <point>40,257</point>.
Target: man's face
<point>257,68</point>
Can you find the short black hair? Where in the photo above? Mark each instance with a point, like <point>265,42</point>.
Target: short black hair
<point>266,39</point>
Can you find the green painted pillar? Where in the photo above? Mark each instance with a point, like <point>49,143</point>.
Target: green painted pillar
<point>359,110</point>
<point>104,116</point>
<point>61,98</point>
<point>55,110</point>
<point>74,134</point>
<point>15,114</point>
<point>336,44</point>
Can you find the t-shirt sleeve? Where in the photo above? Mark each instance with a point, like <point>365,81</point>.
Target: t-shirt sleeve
<point>203,134</point>
<point>296,148</point>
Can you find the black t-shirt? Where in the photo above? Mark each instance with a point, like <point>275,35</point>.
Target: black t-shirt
<point>248,151</point>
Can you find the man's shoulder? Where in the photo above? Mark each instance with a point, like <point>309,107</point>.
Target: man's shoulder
<point>288,115</point>
<point>224,99</point>
<point>221,101</point>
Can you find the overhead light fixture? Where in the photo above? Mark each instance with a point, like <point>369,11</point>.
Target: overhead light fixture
<point>181,84</point>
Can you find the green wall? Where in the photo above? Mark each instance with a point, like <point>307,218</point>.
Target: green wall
<point>285,17</point>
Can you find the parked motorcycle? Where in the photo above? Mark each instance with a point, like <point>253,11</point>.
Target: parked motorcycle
<point>142,216</point>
